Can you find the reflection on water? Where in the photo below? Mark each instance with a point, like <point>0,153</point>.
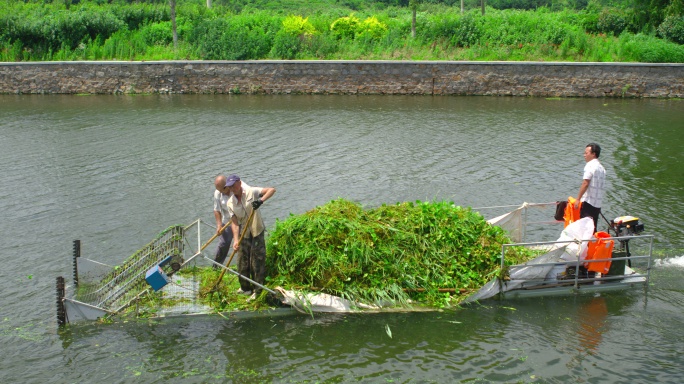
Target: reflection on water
<point>592,324</point>
<point>550,339</point>
<point>113,171</point>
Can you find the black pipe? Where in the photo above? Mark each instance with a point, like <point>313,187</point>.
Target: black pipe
<point>77,254</point>
<point>61,310</point>
<point>610,225</point>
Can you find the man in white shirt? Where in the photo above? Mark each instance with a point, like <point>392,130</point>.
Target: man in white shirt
<point>593,184</point>
<point>222,216</point>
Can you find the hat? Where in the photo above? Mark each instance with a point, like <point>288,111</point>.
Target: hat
<point>230,180</point>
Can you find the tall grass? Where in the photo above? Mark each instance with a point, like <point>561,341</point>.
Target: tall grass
<point>142,31</point>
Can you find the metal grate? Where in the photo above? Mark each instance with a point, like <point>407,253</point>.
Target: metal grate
<point>127,281</point>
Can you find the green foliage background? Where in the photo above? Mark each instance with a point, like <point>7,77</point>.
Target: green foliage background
<point>544,30</point>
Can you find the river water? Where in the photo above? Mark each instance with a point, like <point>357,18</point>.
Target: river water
<point>113,171</point>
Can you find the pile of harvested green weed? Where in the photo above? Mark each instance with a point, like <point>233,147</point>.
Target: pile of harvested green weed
<point>391,253</point>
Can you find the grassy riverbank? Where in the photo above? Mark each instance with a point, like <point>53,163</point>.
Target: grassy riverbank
<point>328,30</point>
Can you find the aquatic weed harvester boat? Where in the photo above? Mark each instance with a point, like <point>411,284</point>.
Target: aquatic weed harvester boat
<point>579,261</point>
<point>169,276</point>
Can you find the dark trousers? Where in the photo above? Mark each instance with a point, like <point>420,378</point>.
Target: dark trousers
<point>588,210</point>
<point>252,261</point>
<point>225,239</point>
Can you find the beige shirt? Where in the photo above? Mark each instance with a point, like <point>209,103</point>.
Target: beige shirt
<point>241,210</point>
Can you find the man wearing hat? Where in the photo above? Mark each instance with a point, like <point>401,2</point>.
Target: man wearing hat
<point>252,258</point>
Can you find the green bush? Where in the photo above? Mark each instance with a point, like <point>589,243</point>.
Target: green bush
<point>554,34</point>
<point>157,33</point>
<point>124,45</point>
<point>589,21</point>
<point>286,46</point>
<point>230,39</point>
<point>648,49</point>
<point>290,42</point>
<point>436,27</point>
<point>136,15</point>
<point>612,21</point>
<point>345,27</point>
<point>43,29</point>
<point>298,26</point>
<point>10,52</point>
<point>321,46</point>
<point>672,28</point>
<point>468,32</point>
<point>371,29</point>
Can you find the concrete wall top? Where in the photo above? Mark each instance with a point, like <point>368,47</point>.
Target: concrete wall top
<point>365,62</point>
<point>517,78</point>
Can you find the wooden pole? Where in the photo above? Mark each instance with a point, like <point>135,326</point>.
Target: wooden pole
<point>242,236</point>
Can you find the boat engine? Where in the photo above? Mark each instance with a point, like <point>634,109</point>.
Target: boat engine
<point>627,226</point>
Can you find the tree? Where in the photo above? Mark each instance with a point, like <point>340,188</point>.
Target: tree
<point>173,23</point>
<point>413,4</point>
<point>650,13</point>
<point>208,3</point>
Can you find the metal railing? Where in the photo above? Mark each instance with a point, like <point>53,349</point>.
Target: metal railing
<point>620,245</point>
<point>526,216</point>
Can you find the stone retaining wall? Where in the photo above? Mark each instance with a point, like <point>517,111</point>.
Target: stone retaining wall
<point>347,77</point>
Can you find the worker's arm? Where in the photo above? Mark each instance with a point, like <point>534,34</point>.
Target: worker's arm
<point>266,193</point>
<point>235,227</point>
<point>219,223</point>
<point>583,189</point>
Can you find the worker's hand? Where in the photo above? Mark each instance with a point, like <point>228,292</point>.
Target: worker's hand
<point>577,203</point>
<point>257,203</point>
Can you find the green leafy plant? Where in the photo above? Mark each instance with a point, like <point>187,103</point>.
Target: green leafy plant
<point>298,26</point>
<point>390,254</point>
<point>672,28</point>
<point>293,37</point>
<point>611,20</point>
<point>376,30</point>
<point>371,29</point>
<point>345,27</point>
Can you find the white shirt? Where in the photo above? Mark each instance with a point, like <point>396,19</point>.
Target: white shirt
<point>596,174</point>
<point>221,205</point>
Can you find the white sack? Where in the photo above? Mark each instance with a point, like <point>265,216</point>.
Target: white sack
<point>582,229</point>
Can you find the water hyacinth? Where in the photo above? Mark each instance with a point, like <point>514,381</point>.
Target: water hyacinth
<point>432,253</point>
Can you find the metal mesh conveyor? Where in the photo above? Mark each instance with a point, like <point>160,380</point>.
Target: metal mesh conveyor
<point>127,281</point>
<point>100,290</point>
